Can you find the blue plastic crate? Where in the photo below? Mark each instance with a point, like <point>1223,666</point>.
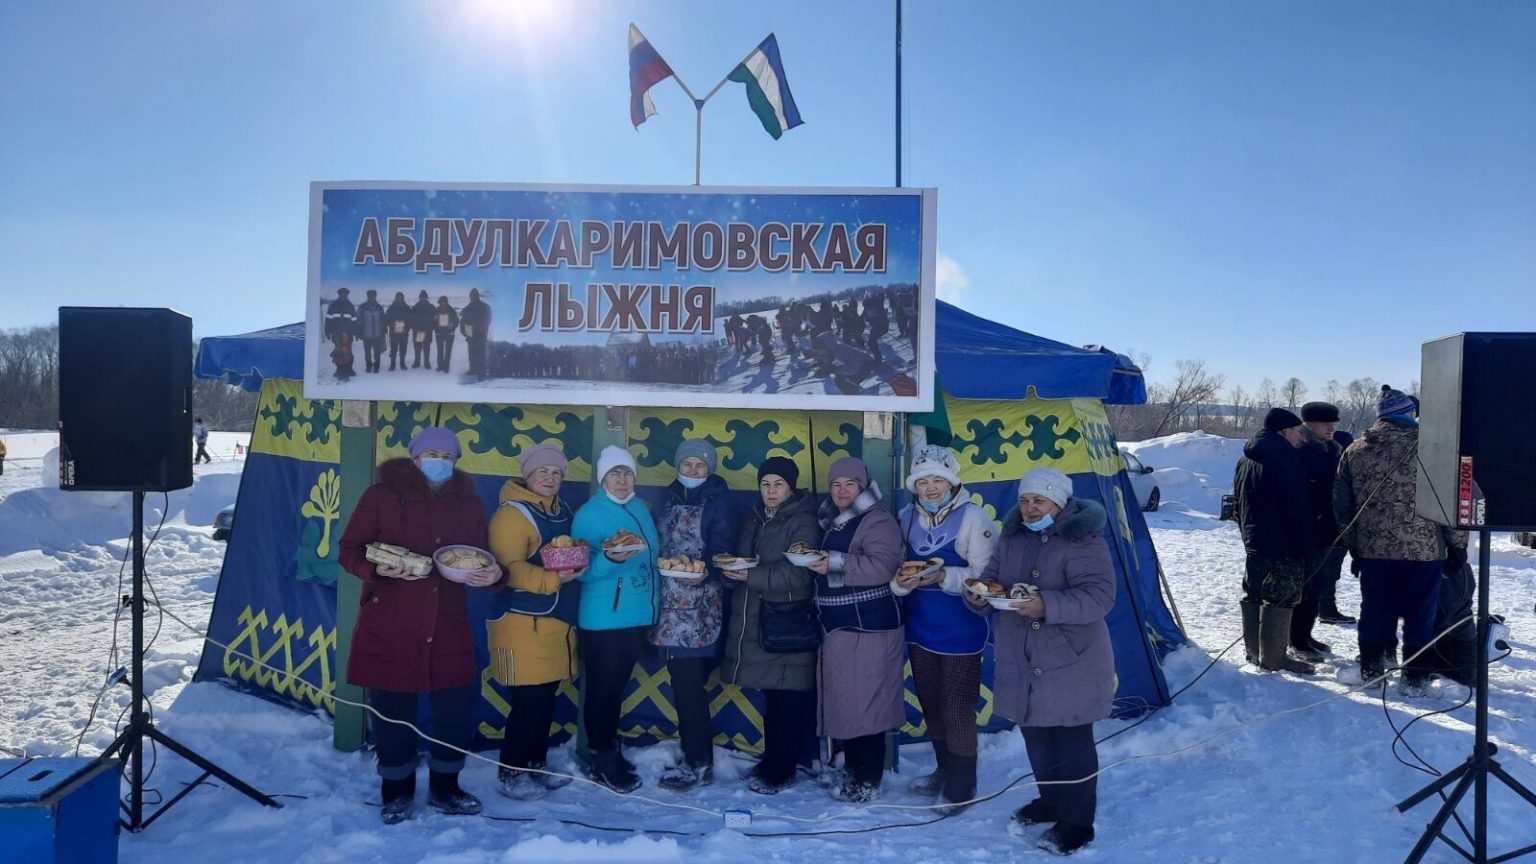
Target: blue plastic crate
<point>58,811</point>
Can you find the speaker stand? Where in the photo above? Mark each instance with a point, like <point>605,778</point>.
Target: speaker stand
<point>1474,773</point>
<point>141,727</point>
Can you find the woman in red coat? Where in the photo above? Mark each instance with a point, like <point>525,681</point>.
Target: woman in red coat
<point>412,635</point>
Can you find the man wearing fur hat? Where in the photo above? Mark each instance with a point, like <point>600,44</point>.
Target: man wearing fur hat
<point>1320,458</point>
<point>1271,489</point>
<point>1401,555</point>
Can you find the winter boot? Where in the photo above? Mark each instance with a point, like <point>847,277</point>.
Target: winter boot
<point>547,780</point>
<point>1036,812</point>
<point>1375,663</point>
<point>857,791</point>
<point>1274,633</point>
<point>445,796</point>
<point>519,785</point>
<point>756,782</point>
<point>959,784</point>
<point>1064,839</point>
<point>1251,631</point>
<point>399,797</point>
<point>1416,673</point>
<point>683,776</point>
<point>1330,614</point>
<point>610,768</point>
<point>930,784</point>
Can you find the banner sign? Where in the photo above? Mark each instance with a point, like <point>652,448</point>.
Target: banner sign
<point>613,295</point>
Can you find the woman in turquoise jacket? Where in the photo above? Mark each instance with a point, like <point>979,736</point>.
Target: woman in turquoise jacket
<point>618,607</point>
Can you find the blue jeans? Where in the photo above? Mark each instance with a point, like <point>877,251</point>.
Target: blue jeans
<point>1390,590</point>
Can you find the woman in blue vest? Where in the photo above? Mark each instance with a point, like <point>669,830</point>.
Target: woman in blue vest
<point>860,679</point>
<point>944,639</point>
<point>696,518</point>
<point>532,626</point>
<point>618,607</point>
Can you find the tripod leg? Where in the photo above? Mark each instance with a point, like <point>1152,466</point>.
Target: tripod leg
<point>1514,785</point>
<point>192,756</point>
<point>1432,831</point>
<point>1443,781</point>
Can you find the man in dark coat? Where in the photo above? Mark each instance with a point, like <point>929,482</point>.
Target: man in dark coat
<point>445,322</point>
<point>1276,524</point>
<point>876,322</point>
<point>1320,457</point>
<point>370,326</point>
<point>397,320</point>
<point>341,329</point>
<point>475,322</point>
<point>421,331</point>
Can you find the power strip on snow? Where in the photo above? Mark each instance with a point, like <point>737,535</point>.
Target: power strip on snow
<point>738,818</point>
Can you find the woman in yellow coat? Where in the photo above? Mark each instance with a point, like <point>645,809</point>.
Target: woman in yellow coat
<point>533,642</point>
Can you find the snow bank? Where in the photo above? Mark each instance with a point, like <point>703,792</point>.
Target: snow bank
<point>1193,469</point>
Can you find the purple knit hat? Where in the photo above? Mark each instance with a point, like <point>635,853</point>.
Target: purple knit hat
<point>851,467</point>
<point>544,455</point>
<point>435,438</point>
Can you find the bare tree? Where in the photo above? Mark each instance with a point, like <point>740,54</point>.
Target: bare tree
<point>1333,391</point>
<point>1238,397</point>
<point>1266,398</point>
<point>1358,410</point>
<point>1193,387</point>
<point>1293,392</point>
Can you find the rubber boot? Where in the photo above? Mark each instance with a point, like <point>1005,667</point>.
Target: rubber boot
<point>959,783</point>
<point>1251,631</point>
<point>399,798</point>
<point>1274,637</point>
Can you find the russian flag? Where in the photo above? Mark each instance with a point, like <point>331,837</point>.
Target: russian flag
<point>767,88</point>
<point>646,69</point>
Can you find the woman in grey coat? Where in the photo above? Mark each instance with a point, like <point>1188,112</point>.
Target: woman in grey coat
<point>1055,666</point>
<point>783,517</point>
<point>862,655</point>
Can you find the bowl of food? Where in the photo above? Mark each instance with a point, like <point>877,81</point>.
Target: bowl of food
<point>457,562</point>
<point>914,569</point>
<point>734,562</point>
<point>802,553</point>
<point>682,568</point>
<point>624,541</point>
<point>985,588</point>
<point>564,553</point>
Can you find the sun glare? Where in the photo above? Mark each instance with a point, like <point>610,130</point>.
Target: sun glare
<point>521,19</point>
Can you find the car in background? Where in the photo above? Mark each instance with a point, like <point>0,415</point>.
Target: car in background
<point>1148,496</point>
<point>223,523</point>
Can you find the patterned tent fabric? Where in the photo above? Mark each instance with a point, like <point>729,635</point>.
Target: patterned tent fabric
<point>277,596</point>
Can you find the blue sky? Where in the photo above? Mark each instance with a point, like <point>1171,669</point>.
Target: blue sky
<point>1279,188</point>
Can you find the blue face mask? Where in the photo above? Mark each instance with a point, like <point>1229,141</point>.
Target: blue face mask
<point>437,470</point>
<point>934,507</point>
<point>691,482</point>
<point>1045,522</point>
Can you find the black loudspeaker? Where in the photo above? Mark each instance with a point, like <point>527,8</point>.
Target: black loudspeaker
<point>125,399</point>
<point>1475,438</point>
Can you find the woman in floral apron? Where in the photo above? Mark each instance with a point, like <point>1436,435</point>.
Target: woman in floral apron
<point>697,518</point>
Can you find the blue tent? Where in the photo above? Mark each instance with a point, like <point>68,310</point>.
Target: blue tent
<point>1014,400</point>
<point>976,359</point>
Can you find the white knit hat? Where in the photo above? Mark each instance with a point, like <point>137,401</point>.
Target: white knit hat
<point>1047,483</point>
<point>612,457</point>
<point>931,460</point>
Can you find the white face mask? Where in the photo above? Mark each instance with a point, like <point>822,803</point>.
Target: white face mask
<point>691,482</point>
<point>617,500</point>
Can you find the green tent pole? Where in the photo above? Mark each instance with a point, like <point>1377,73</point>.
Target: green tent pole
<point>357,464</point>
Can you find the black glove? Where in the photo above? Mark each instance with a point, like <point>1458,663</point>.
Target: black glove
<point>1455,559</point>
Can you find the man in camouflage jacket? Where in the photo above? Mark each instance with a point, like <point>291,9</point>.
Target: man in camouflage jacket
<point>1401,556</point>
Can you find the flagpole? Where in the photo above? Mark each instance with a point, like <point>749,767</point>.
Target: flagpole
<point>898,94</point>
<point>698,113</point>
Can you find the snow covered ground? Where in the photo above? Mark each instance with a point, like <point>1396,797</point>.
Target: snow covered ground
<point>1243,767</point>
